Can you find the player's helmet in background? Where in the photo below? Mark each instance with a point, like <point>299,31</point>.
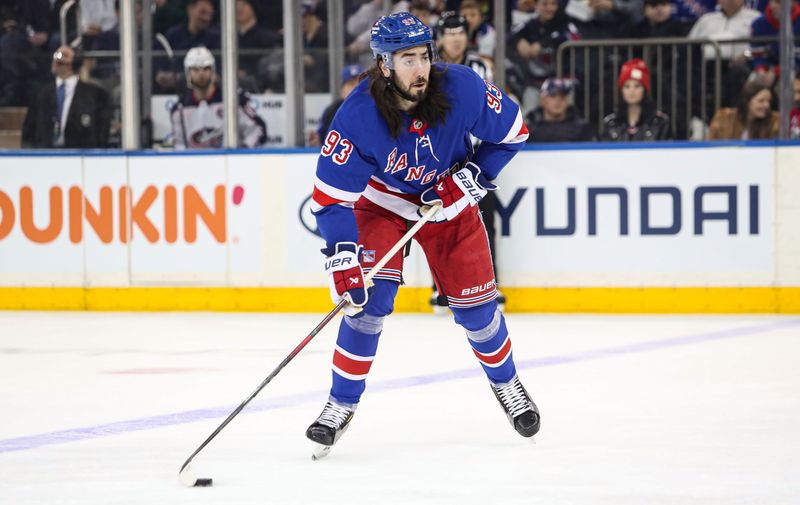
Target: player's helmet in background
<point>452,20</point>
<point>198,57</point>
<point>398,31</point>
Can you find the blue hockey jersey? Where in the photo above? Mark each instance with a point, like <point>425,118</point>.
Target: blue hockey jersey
<point>359,156</point>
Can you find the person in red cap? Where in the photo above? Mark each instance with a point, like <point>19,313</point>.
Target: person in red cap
<point>636,118</point>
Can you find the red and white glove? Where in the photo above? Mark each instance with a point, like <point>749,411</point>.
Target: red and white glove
<point>459,191</point>
<point>345,276</point>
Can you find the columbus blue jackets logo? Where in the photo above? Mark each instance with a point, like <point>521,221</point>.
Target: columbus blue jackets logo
<point>207,137</point>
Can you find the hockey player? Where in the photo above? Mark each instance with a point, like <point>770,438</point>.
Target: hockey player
<point>198,116</point>
<point>401,140</point>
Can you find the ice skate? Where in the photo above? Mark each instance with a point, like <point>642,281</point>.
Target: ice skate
<point>329,427</point>
<point>439,304</point>
<point>518,406</point>
<point>501,301</point>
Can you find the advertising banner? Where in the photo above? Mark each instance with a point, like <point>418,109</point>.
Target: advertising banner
<point>637,217</point>
<point>618,218</point>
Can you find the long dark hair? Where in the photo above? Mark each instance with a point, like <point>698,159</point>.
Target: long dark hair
<point>758,128</point>
<point>647,104</point>
<point>432,109</point>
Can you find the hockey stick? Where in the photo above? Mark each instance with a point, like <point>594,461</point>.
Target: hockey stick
<point>185,474</point>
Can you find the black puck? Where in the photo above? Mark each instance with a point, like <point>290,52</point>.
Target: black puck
<point>203,483</point>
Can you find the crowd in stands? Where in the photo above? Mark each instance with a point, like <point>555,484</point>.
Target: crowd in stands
<point>643,97</point>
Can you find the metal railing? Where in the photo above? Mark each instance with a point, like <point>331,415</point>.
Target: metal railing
<point>602,58</point>
<point>62,18</point>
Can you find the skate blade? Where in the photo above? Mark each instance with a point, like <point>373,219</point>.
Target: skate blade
<point>319,451</point>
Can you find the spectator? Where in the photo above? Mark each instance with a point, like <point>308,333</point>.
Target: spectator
<point>605,19</point>
<point>350,77</point>
<point>252,36</point>
<point>198,117</point>
<point>315,49</point>
<point>794,115</point>
<point>270,15</point>
<point>67,112</point>
<point>522,12</point>
<point>482,37</point>
<point>24,56</point>
<point>753,117</point>
<point>637,118</point>
<point>197,31</point>
<point>599,19</point>
<point>765,56</point>
<point>533,46</point>
<point>732,21</point>
<point>659,22</point>
<point>360,22</point>
<point>96,17</point>
<point>451,40</point>
<point>166,13</point>
<point>689,11</point>
<point>556,120</point>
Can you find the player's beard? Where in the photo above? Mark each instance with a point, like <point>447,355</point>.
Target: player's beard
<point>413,92</point>
<point>431,106</point>
<point>202,86</point>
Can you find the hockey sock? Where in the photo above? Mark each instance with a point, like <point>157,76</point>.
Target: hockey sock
<point>488,336</point>
<point>352,358</point>
<point>358,342</point>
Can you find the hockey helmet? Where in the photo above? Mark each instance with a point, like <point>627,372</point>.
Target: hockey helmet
<point>452,21</point>
<point>397,31</point>
<point>198,57</point>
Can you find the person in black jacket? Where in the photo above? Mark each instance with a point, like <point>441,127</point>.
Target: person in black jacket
<point>532,47</point>
<point>555,120</point>
<point>67,112</point>
<point>659,22</point>
<point>253,40</point>
<point>24,55</point>
<point>351,75</point>
<point>636,118</point>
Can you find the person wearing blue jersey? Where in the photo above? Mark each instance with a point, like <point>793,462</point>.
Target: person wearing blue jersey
<point>399,141</point>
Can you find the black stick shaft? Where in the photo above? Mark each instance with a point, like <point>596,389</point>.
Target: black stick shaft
<point>427,215</point>
<point>269,378</point>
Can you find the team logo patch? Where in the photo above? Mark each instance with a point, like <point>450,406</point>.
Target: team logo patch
<point>368,256</point>
<point>418,126</point>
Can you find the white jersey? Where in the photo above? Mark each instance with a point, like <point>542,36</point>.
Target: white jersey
<point>201,125</point>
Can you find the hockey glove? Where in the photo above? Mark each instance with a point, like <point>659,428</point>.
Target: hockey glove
<point>345,276</point>
<point>459,191</point>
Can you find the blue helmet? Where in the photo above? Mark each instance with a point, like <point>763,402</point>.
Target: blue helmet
<point>398,31</point>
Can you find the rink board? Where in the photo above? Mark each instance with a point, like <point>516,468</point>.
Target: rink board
<point>683,229</point>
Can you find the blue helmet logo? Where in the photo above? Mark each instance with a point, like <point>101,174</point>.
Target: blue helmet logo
<point>398,31</point>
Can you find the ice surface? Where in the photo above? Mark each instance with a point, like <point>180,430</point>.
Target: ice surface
<point>103,408</point>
